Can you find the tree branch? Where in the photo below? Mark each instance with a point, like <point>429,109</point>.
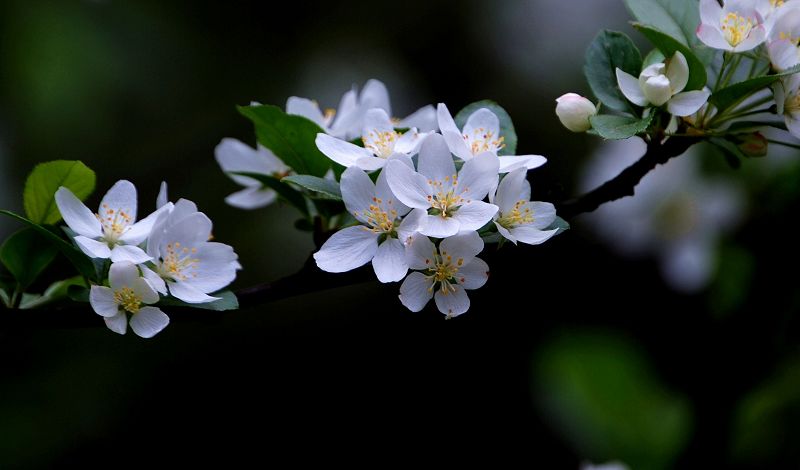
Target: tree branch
<point>625,183</point>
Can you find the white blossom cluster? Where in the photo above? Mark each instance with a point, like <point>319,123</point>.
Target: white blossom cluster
<point>169,252</point>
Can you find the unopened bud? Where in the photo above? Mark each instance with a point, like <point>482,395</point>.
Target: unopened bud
<point>574,111</point>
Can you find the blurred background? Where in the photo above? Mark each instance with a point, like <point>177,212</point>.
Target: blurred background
<point>661,332</point>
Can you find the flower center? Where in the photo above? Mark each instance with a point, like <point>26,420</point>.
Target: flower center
<point>178,261</point>
<point>483,140</point>
<point>788,37</point>
<point>520,214</point>
<point>114,222</point>
<point>792,104</point>
<point>381,143</point>
<point>446,200</point>
<point>776,3</point>
<point>444,271</point>
<point>736,28</point>
<point>380,219</point>
<point>127,299</point>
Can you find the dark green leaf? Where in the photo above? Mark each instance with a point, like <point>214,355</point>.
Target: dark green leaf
<point>730,96</point>
<point>730,151</point>
<point>677,18</point>
<point>82,263</point>
<point>507,131</point>
<point>291,138</point>
<point>619,127</point>
<point>228,301</point>
<point>284,190</point>
<point>44,181</point>
<point>608,51</point>
<point>57,291</point>
<point>744,127</point>
<point>26,254</point>
<point>668,46</point>
<point>560,224</point>
<point>78,293</point>
<point>320,187</point>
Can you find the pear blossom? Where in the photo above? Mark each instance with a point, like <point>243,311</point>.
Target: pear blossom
<point>662,84</point>
<point>736,26</point>
<point>574,111</point>
<point>348,121</point>
<point>519,218</point>
<point>235,156</point>
<point>772,11</point>
<point>128,294</point>
<point>481,134</point>
<point>380,236</point>
<point>380,139</point>
<point>184,262</point>
<point>784,36</point>
<point>112,232</point>
<point>448,201</point>
<point>787,98</point>
<point>444,273</point>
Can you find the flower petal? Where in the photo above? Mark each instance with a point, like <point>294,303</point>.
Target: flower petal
<point>122,274</point>
<point>437,226</point>
<point>452,134</point>
<point>118,323</point>
<point>678,72</point>
<point>130,253</point>
<point>370,163</point>
<point>423,119</point>
<point>544,214</point>
<point>358,192</point>
<point>416,291</point>
<point>93,248</point>
<point>435,161</point>
<point>121,198</point>
<point>145,291</point>
<point>347,249</point>
<point>411,188</point>
<point>253,197</point>
<point>189,294</point>
<point>505,233</point>
<point>410,142</point>
<point>149,321</point>
<point>138,232</point>
<point>478,176</point>
<point>306,108</point>
<point>783,54</point>
<point>688,102</point>
<point>480,123</point>
<point>754,39</point>
<point>383,192</point>
<point>465,246</point>
<point>215,267</point>
<point>712,37</point>
<point>510,190</point>
<point>420,252</point>
<point>162,199</point>
<point>411,224</point>
<point>710,12</point>
<point>474,215</point>
<point>532,236</point>
<point>474,274</point>
<point>102,301</point>
<point>452,303</point>
<point>340,151</point>
<point>234,156</point>
<point>512,162</point>
<point>77,216</point>
<point>154,279</point>
<point>629,86</point>
<point>793,125</point>
<point>389,262</point>
<point>375,95</point>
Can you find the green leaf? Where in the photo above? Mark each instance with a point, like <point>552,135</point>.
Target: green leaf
<point>730,151</point>
<point>608,51</point>
<point>731,96</point>
<point>57,291</point>
<point>619,127</point>
<point>677,18</point>
<point>560,224</point>
<point>227,301</point>
<point>82,263</point>
<point>321,188</point>
<point>44,181</point>
<point>668,46</point>
<point>284,190</point>
<point>26,254</point>
<point>291,138</point>
<point>507,131</point>
<point>603,395</point>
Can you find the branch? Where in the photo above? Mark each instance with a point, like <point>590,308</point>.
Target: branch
<point>625,183</point>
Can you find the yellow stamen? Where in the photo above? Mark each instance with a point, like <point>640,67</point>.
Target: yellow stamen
<point>736,28</point>
<point>518,215</point>
<point>127,299</point>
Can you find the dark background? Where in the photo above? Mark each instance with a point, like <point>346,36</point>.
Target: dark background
<point>569,354</point>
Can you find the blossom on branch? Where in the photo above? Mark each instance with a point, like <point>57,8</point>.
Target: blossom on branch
<point>519,218</point>
<point>736,26</point>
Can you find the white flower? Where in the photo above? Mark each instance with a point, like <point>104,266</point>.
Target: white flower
<point>449,270</point>
<point>737,26</point>
<point>772,11</point>
<point>663,83</point>
<point>113,231</point>
<point>783,38</point>
<point>448,201</point>
<point>184,261</point>
<point>127,295</point>
<point>348,121</point>
<point>381,236</point>
<point>235,156</point>
<point>574,111</point>
<point>787,98</point>
<point>519,218</point>
<point>481,134</point>
<point>677,215</point>
<point>380,139</point>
